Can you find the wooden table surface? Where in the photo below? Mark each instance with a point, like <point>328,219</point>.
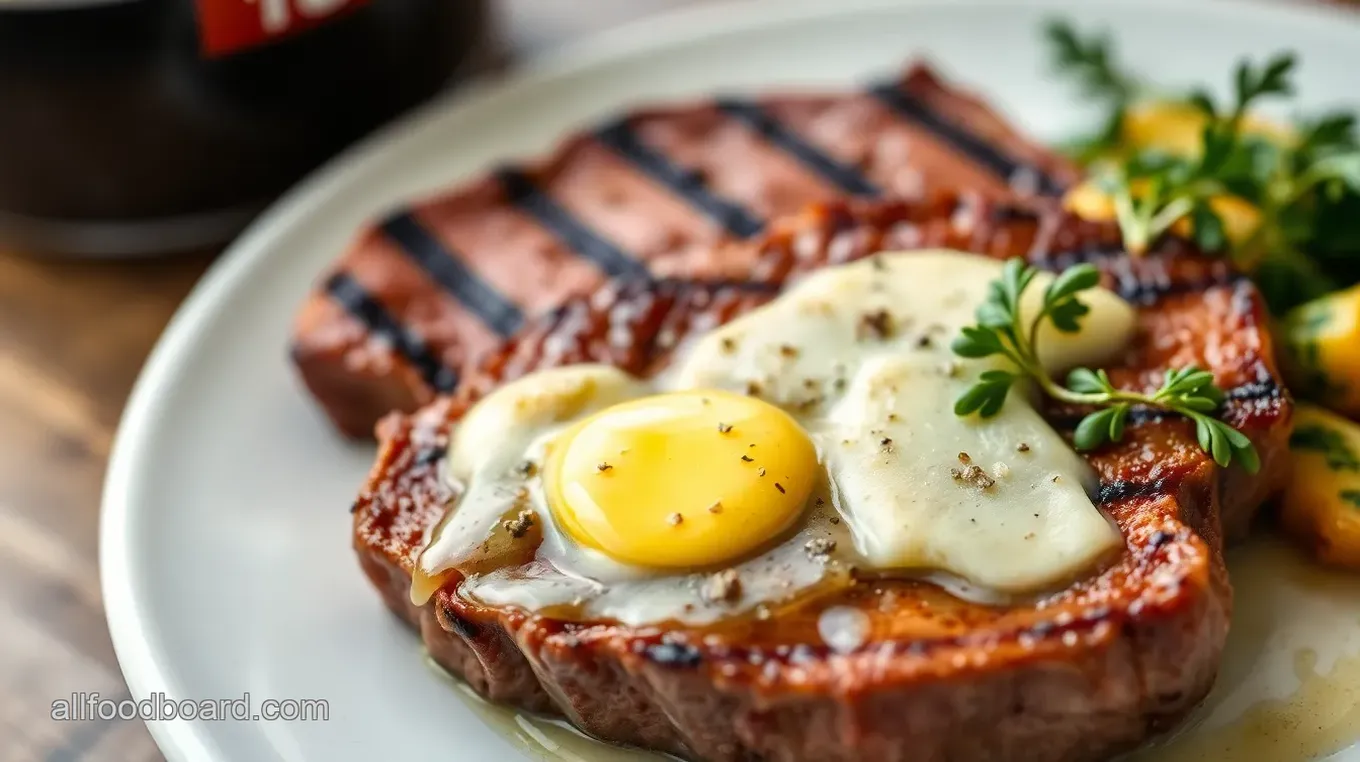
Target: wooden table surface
<point>73,337</point>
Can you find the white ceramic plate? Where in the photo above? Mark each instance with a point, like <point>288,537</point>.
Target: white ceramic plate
<point>225,548</point>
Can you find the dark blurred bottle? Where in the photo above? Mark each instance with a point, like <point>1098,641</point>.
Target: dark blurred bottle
<point>143,126</point>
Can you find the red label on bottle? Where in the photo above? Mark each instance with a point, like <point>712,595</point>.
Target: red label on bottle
<point>227,26</point>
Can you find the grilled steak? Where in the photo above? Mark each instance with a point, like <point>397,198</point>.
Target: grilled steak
<point>1075,675</point>
<point>423,293</point>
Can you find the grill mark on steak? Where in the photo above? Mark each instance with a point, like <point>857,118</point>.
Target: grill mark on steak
<point>1121,490</point>
<point>844,176</point>
<point>687,183</point>
<point>1137,641</point>
<point>357,376</point>
<point>576,235</point>
<point>1143,280</point>
<point>459,624</point>
<point>1268,389</point>
<point>627,324</point>
<point>681,655</point>
<point>350,295</point>
<point>430,455</point>
<point>448,271</point>
<point>974,146</point>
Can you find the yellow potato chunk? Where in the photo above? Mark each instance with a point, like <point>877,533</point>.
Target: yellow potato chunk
<point>1177,128</point>
<point>1323,338</point>
<point>1240,217</point>
<point>1321,503</point>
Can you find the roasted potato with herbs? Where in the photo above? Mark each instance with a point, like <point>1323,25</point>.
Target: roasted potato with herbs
<point>1280,198</point>
<point>1321,504</point>
<point>1323,342</point>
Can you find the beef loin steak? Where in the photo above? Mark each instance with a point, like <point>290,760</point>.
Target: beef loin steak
<point>1073,676</point>
<point>421,294</point>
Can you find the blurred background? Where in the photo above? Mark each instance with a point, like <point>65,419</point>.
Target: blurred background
<point>137,138</point>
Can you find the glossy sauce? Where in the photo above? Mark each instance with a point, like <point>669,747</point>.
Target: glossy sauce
<point>849,370</point>
<point>542,738</point>
<point>1288,689</point>
<point>1289,686</point>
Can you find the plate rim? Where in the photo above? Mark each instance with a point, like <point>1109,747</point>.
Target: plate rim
<point>143,665</point>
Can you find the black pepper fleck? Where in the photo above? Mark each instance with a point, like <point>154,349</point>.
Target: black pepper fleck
<point>520,524</point>
<point>723,587</point>
<point>429,455</point>
<point>973,475</point>
<point>460,625</point>
<point>780,487</point>
<point>724,428</point>
<point>809,403</point>
<point>675,655</point>
<point>602,466</point>
<point>819,548</point>
<point>875,325</point>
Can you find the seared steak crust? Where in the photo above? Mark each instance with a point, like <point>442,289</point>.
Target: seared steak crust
<point>1077,674</point>
<point>421,294</point>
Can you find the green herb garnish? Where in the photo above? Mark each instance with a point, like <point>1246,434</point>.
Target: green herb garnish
<point>1002,330</point>
<point>1090,61</point>
<point>1307,189</point>
<point>1301,328</point>
<point>1330,443</point>
<point>1303,248</point>
<point>1153,191</point>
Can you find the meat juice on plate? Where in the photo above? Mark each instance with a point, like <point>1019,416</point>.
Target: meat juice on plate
<point>1288,689</point>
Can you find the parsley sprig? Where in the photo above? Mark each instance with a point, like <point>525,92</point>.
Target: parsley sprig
<point>1299,252</point>
<point>1002,330</point>
<point>1153,191</point>
<point>1307,189</point>
<point>1090,61</point>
